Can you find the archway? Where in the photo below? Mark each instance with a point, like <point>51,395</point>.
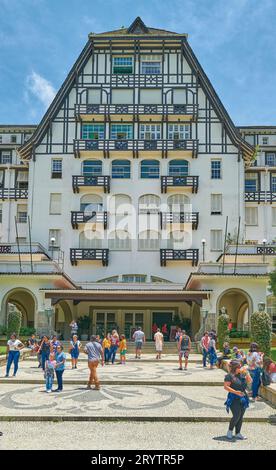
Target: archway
<point>24,301</point>
<point>63,318</point>
<point>238,305</point>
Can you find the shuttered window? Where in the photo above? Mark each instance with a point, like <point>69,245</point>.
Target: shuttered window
<point>119,241</point>
<point>251,215</point>
<point>22,212</point>
<point>273,216</point>
<point>55,203</point>
<point>149,240</point>
<point>216,204</point>
<point>216,240</point>
<point>149,204</point>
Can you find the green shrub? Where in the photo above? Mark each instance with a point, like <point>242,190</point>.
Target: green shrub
<point>223,332</point>
<point>3,330</point>
<point>261,331</point>
<point>14,322</point>
<point>26,331</point>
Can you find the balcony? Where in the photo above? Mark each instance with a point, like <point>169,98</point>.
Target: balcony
<point>179,218</point>
<point>190,255</point>
<point>89,254</point>
<point>130,112</point>
<point>83,217</point>
<point>262,249</point>
<point>13,193</point>
<point>86,181</point>
<point>84,147</point>
<point>179,181</point>
<point>260,196</point>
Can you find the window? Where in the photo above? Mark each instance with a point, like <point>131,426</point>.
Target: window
<point>92,168</point>
<point>250,139</point>
<point>54,238</point>
<point>273,182</point>
<point>251,182</point>
<point>13,139</point>
<point>92,131</point>
<point>121,131</point>
<point>122,96</point>
<point>251,216</point>
<point>55,203</point>
<point>179,203</point>
<point>119,240</point>
<point>270,159</point>
<point>122,65</point>
<point>93,96</point>
<point>150,96</point>
<point>159,280</point>
<point>22,180</point>
<point>2,178</point>
<point>273,216</point>
<point>149,204</point>
<point>121,169</point>
<point>90,239</point>
<point>216,204</point>
<point>149,240</point>
<point>91,203</point>
<point>1,213</point>
<point>150,131</point>
<point>178,168</point>
<point>109,279</point>
<point>150,169</point>
<point>134,278</point>
<point>265,140</point>
<point>5,157</point>
<point>179,131</point>
<point>151,64</point>
<point>57,168</point>
<point>216,240</point>
<point>216,169</point>
<point>22,213</point>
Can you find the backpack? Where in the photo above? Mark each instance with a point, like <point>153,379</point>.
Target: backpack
<point>266,378</point>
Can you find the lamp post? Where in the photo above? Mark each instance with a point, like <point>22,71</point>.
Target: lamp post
<point>53,241</point>
<point>203,242</point>
<point>264,244</point>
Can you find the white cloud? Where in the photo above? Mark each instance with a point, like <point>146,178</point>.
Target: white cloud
<point>41,88</point>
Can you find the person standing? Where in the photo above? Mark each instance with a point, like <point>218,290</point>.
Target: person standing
<point>60,367</point>
<point>74,350</point>
<point>114,340</point>
<point>95,353</point>
<point>212,351</point>
<point>184,348</point>
<point>123,349</point>
<point>159,340</point>
<point>49,373</point>
<point>230,326</point>
<point>165,331</point>
<point>54,344</point>
<point>74,328</point>
<point>14,347</point>
<point>44,349</point>
<point>106,348</point>
<point>255,363</point>
<point>139,338</point>
<point>235,383</point>
<point>204,343</point>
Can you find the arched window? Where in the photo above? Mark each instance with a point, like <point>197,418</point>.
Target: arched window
<point>150,169</point>
<point>178,168</point>
<point>149,240</point>
<point>120,204</point>
<point>179,240</point>
<point>90,239</point>
<point>178,203</point>
<point>121,169</point>
<point>91,202</point>
<point>92,168</point>
<point>149,204</point>
<point>119,240</point>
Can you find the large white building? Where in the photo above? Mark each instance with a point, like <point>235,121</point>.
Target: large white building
<point>136,200</point>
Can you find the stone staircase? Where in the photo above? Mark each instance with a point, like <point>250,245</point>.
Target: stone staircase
<point>170,347</point>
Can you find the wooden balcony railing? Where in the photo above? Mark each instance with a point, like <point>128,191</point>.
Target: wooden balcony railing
<point>179,218</point>
<point>164,110</point>
<point>179,181</point>
<point>13,193</point>
<point>89,254</point>
<point>79,181</point>
<point>260,196</point>
<point>179,255</point>
<point>83,217</point>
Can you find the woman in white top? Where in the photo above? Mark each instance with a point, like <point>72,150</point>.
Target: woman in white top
<point>14,346</point>
<point>158,338</point>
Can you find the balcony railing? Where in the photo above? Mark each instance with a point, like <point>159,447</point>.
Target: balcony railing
<point>179,181</point>
<point>251,250</point>
<point>179,255</point>
<point>13,193</point>
<point>260,196</point>
<point>79,181</point>
<point>83,217</point>
<point>135,146</point>
<point>137,109</point>
<point>179,218</point>
<point>89,254</point>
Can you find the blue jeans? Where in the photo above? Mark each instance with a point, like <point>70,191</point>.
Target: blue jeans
<point>204,359</point>
<point>44,358</point>
<point>59,374</point>
<point>106,355</point>
<point>112,353</point>
<point>256,381</point>
<point>13,357</point>
<point>49,382</point>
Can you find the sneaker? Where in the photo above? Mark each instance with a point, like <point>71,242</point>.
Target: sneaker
<point>229,435</point>
<point>241,437</point>
<point>6,376</point>
<point>180,368</point>
<point>57,390</point>
<point>88,387</point>
<point>48,391</point>
<point>185,368</point>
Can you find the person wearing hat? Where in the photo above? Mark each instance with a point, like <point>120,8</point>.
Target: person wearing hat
<point>235,383</point>
<point>238,355</point>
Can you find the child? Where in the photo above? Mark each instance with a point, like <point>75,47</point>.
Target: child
<point>106,347</point>
<point>49,373</point>
<point>123,349</point>
<point>74,350</point>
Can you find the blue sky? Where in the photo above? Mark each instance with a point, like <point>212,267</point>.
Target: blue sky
<point>235,41</point>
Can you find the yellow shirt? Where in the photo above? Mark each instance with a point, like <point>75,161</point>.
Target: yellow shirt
<point>122,345</point>
<point>106,343</point>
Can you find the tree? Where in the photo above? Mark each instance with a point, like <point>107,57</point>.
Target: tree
<point>223,332</point>
<point>272,280</point>
<point>261,331</point>
<point>14,322</point>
